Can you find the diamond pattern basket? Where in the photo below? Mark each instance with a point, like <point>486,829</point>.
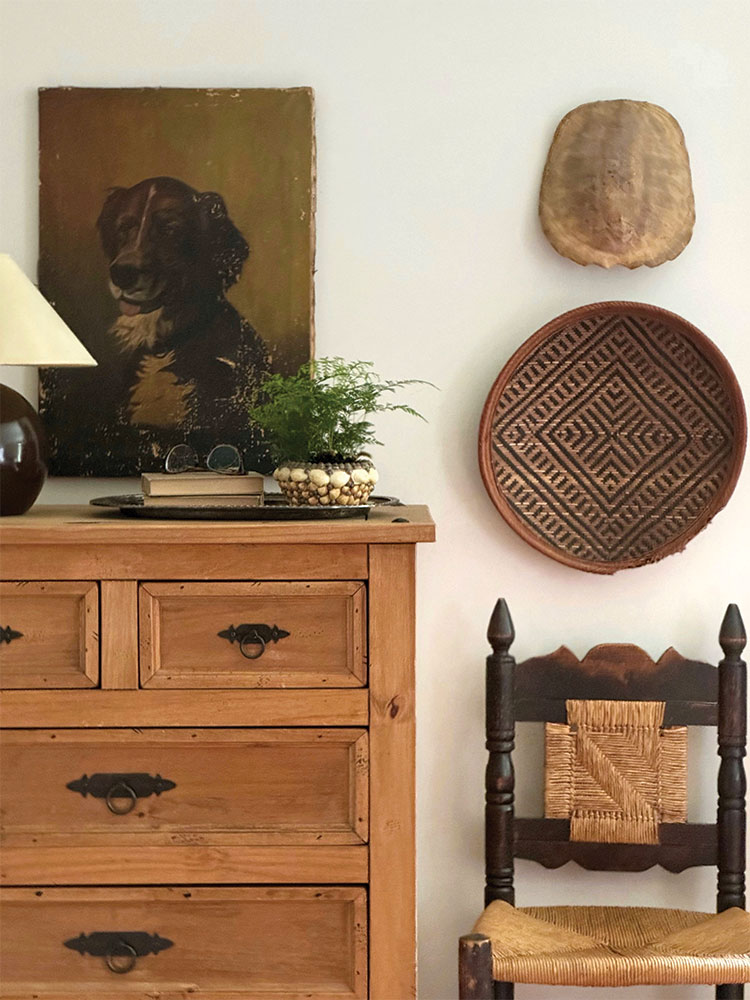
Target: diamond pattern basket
<point>612,436</point>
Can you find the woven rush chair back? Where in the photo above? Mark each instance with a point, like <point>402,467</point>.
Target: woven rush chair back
<point>615,759</point>
<point>615,772</point>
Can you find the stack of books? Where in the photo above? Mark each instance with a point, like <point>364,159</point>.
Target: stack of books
<point>202,489</point>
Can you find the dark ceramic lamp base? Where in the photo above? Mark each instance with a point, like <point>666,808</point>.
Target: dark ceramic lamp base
<point>23,453</point>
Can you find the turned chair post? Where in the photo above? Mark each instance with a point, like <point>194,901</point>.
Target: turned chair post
<point>475,968</point>
<point>475,951</point>
<point>499,777</point>
<point>732,748</point>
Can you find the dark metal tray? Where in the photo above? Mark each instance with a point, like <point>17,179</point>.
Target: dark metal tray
<point>275,508</point>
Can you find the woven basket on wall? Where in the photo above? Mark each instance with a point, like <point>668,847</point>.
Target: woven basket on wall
<point>612,436</point>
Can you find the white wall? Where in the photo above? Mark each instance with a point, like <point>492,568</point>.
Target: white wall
<point>433,121</point>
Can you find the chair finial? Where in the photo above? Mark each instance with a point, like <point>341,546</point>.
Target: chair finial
<point>500,632</point>
<point>732,635</point>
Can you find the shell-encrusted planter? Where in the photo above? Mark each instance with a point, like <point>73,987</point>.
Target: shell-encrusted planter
<point>326,483</point>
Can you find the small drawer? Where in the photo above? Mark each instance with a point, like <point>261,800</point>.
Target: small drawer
<point>49,635</point>
<point>158,787</point>
<point>253,635</point>
<point>242,943</point>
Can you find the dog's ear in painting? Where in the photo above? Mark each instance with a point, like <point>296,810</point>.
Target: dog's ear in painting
<point>107,219</point>
<point>225,247</point>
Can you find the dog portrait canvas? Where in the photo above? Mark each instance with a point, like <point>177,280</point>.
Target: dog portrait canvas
<point>177,242</point>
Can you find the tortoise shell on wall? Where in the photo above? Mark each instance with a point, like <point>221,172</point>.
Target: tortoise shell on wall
<point>612,436</point>
<point>616,187</point>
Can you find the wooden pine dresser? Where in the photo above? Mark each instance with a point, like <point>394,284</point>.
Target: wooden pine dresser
<point>207,757</point>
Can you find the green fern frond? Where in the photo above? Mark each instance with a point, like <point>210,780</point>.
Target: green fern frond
<point>324,408</point>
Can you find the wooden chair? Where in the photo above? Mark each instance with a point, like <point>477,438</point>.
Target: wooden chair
<point>615,792</point>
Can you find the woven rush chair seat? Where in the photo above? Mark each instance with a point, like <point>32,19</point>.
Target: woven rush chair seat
<point>616,946</point>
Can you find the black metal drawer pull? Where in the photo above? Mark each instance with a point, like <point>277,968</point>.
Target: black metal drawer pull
<point>8,634</point>
<point>122,958</point>
<point>120,791</point>
<point>253,638</point>
<point>119,949</point>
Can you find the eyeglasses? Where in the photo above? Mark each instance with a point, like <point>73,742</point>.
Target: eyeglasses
<point>224,459</point>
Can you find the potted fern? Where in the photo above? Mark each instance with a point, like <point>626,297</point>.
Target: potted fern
<point>317,426</point>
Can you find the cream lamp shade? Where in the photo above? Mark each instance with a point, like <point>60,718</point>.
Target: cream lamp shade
<point>31,332</point>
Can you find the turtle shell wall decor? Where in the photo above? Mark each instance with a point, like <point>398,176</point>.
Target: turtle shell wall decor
<point>612,436</point>
<point>616,187</point>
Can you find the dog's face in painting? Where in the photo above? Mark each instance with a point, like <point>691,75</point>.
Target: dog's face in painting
<point>168,245</point>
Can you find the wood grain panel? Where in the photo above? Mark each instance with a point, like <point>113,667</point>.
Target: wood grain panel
<point>243,943</point>
<point>392,792</point>
<point>181,646</point>
<point>119,638</point>
<point>183,561</point>
<point>59,642</point>
<point>79,524</point>
<point>178,863</point>
<point>257,786</point>
<point>303,707</point>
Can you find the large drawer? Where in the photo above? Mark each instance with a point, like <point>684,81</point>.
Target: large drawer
<point>49,636</point>
<point>239,635</point>
<point>178,786</point>
<point>242,943</point>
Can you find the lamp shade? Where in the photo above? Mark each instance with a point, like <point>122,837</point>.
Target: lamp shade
<point>31,332</point>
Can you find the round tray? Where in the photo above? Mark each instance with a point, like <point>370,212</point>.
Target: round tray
<point>612,436</point>
<point>274,509</point>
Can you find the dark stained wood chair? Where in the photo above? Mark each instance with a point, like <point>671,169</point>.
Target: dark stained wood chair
<point>614,801</point>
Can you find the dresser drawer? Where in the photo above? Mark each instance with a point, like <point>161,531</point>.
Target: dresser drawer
<point>157,787</point>
<point>242,943</point>
<point>239,635</point>
<point>49,634</point>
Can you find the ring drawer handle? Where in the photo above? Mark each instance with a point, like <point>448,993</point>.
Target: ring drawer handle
<point>122,958</point>
<point>8,634</point>
<point>121,791</point>
<point>119,949</point>
<point>253,639</point>
<point>114,788</point>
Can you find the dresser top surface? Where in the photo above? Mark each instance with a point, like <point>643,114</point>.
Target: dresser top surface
<point>49,524</point>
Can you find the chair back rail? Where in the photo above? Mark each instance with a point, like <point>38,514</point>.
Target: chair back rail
<point>617,673</point>
<point>681,846</point>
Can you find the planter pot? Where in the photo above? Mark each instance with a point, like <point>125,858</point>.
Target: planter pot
<point>326,483</point>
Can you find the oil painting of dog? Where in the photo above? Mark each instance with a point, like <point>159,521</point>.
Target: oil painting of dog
<point>173,252</point>
<point>181,355</point>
